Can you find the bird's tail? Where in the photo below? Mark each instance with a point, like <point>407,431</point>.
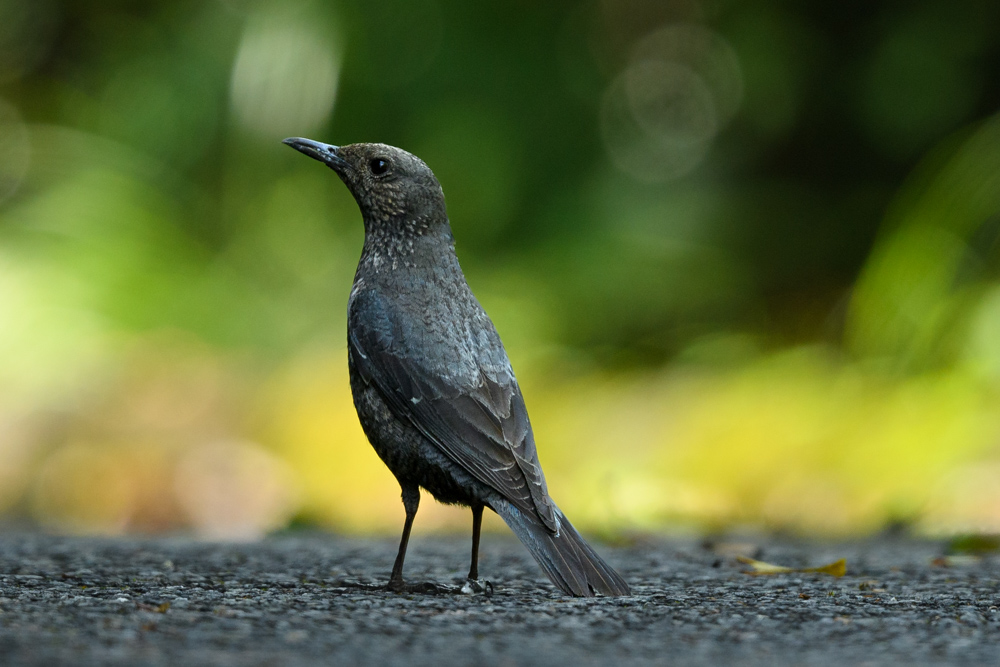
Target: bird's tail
<point>568,561</point>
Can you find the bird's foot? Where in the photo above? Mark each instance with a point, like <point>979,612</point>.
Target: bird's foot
<point>424,588</point>
<point>473,586</point>
<point>360,586</point>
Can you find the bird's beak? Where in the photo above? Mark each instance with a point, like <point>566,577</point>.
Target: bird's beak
<point>325,153</point>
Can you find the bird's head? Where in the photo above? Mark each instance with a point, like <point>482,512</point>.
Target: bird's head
<point>392,187</point>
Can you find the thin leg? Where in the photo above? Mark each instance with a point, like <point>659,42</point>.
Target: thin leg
<point>477,524</point>
<point>411,501</point>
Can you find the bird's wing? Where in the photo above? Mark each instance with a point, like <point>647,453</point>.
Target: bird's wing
<point>478,420</point>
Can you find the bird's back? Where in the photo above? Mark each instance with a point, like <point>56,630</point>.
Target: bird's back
<point>428,315</point>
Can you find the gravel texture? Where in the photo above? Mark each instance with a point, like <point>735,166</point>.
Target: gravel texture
<point>302,599</point>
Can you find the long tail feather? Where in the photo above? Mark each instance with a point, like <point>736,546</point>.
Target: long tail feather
<point>566,558</point>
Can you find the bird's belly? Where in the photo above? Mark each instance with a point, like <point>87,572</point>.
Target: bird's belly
<point>407,453</point>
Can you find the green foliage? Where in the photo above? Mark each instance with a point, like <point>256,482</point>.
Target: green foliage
<point>636,188</point>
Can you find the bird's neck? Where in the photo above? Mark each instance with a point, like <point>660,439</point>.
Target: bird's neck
<point>407,244</point>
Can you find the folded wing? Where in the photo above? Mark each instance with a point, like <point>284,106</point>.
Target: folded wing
<point>477,419</point>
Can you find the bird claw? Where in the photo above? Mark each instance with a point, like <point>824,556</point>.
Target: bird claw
<point>424,587</point>
<point>473,586</point>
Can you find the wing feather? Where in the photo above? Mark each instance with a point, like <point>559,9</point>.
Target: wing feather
<point>478,421</point>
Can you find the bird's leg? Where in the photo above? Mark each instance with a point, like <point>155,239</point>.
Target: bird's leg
<point>411,501</point>
<point>477,524</point>
<point>473,585</point>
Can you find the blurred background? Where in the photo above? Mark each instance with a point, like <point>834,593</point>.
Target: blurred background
<point>745,256</point>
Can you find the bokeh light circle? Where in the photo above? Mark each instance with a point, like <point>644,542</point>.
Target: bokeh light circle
<point>285,76</point>
<point>660,115</point>
<point>657,120</point>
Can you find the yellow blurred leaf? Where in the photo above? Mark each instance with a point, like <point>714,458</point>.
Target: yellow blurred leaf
<point>760,567</point>
<point>836,569</point>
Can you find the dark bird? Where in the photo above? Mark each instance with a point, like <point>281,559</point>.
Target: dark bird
<point>431,381</point>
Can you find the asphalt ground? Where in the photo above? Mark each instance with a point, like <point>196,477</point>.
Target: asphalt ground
<point>312,598</point>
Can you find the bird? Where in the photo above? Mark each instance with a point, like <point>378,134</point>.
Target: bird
<point>430,379</point>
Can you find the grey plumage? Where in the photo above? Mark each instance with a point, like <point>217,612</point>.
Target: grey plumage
<point>432,383</point>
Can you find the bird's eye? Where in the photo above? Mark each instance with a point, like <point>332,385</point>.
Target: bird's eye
<point>379,166</point>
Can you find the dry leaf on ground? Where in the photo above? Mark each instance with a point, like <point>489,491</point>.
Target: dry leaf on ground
<point>837,568</point>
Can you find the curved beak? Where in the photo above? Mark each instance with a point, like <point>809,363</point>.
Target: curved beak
<point>325,153</point>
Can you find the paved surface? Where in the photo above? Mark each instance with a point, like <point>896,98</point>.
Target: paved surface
<point>294,600</point>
